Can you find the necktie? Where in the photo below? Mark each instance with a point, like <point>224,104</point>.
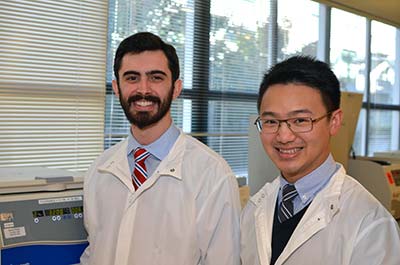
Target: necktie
<point>286,207</point>
<point>139,175</point>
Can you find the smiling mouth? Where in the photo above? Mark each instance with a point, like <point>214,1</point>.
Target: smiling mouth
<point>141,100</point>
<point>290,151</point>
<point>143,103</point>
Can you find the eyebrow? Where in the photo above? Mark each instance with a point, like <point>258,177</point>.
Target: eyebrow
<point>152,72</point>
<point>156,72</point>
<point>292,113</point>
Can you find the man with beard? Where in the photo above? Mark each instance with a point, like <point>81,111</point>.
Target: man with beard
<point>160,196</point>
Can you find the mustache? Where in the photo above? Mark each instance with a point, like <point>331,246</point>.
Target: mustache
<point>150,98</point>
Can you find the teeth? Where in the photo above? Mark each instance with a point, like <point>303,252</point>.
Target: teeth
<point>289,151</point>
<point>144,103</point>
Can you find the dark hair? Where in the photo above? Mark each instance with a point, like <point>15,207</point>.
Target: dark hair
<point>304,70</point>
<point>146,41</point>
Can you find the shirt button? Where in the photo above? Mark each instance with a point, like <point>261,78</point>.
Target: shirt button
<point>172,170</point>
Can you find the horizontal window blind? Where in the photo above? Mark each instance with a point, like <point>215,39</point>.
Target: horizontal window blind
<point>52,82</point>
<point>239,55</point>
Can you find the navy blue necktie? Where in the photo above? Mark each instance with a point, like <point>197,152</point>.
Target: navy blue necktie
<point>289,192</point>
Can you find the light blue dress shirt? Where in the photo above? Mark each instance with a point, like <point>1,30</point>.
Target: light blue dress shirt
<point>158,149</point>
<point>308,186</point>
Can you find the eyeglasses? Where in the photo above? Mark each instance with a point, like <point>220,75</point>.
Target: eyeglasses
<point>297,125</point>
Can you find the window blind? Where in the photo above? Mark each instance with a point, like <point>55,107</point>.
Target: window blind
<point>52,82</point>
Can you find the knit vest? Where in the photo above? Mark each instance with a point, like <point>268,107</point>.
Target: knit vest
<point>281,232</point>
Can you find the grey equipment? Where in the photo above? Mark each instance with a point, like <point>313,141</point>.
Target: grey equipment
<point>41,216</point>
<point>381,178</point>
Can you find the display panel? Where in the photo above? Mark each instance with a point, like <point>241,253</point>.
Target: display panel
<point>77,209</point>
<point>57,211</point>
<point>37,214</point>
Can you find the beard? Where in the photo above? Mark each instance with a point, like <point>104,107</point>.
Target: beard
<point>142,119</point>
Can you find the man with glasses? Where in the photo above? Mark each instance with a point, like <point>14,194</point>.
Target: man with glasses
<point>313,213</point>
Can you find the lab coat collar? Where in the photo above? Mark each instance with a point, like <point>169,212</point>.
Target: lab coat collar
<point>117,165</point>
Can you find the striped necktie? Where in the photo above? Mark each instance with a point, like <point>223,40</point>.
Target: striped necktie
<point>139,175</point>
<point>289,192</point>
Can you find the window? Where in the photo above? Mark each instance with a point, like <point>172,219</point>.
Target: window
<point>348,61</point>
<point>298,31</point>
<point>383,133</point>
<point>368,69</point>
<point>238,47</point>
<point>347,56</point>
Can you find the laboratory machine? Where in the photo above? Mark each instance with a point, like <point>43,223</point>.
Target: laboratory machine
<point>380,177</point>
<point>41,216</point>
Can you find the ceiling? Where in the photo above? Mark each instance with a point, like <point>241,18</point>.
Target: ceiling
<point>387,11</point>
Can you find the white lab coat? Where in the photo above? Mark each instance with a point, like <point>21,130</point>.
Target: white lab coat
<point>343,225</point>
<point>186,213</point>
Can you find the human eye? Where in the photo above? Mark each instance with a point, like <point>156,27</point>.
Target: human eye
<point>299,122</point>
<point>156,78</point>
<point>270,122</point>
<point>132,78</point>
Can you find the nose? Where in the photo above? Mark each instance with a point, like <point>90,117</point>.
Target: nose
<point>285,134</point>
<point>143,86</point>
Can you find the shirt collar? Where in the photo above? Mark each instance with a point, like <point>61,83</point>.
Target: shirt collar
<point>309,185</point>
<point>159,148</point>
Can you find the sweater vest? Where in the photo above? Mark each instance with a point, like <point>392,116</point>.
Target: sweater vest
<point>281,232</point>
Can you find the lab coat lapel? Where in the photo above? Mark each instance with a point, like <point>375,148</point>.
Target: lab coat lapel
<point>318,215</point>
<point>117,165</point>
<point>170,166</point>
<point>264,216</point>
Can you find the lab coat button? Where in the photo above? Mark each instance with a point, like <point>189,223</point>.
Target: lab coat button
<point>331,206</point>
<point>172,170</point>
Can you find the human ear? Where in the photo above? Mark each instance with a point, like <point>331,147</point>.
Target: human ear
<point>177,88</point>
<point>336,121</point>
<point>115,87</point>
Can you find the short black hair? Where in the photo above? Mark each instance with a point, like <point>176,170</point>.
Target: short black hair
<point>304,70</point>
<point>146,41</point>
